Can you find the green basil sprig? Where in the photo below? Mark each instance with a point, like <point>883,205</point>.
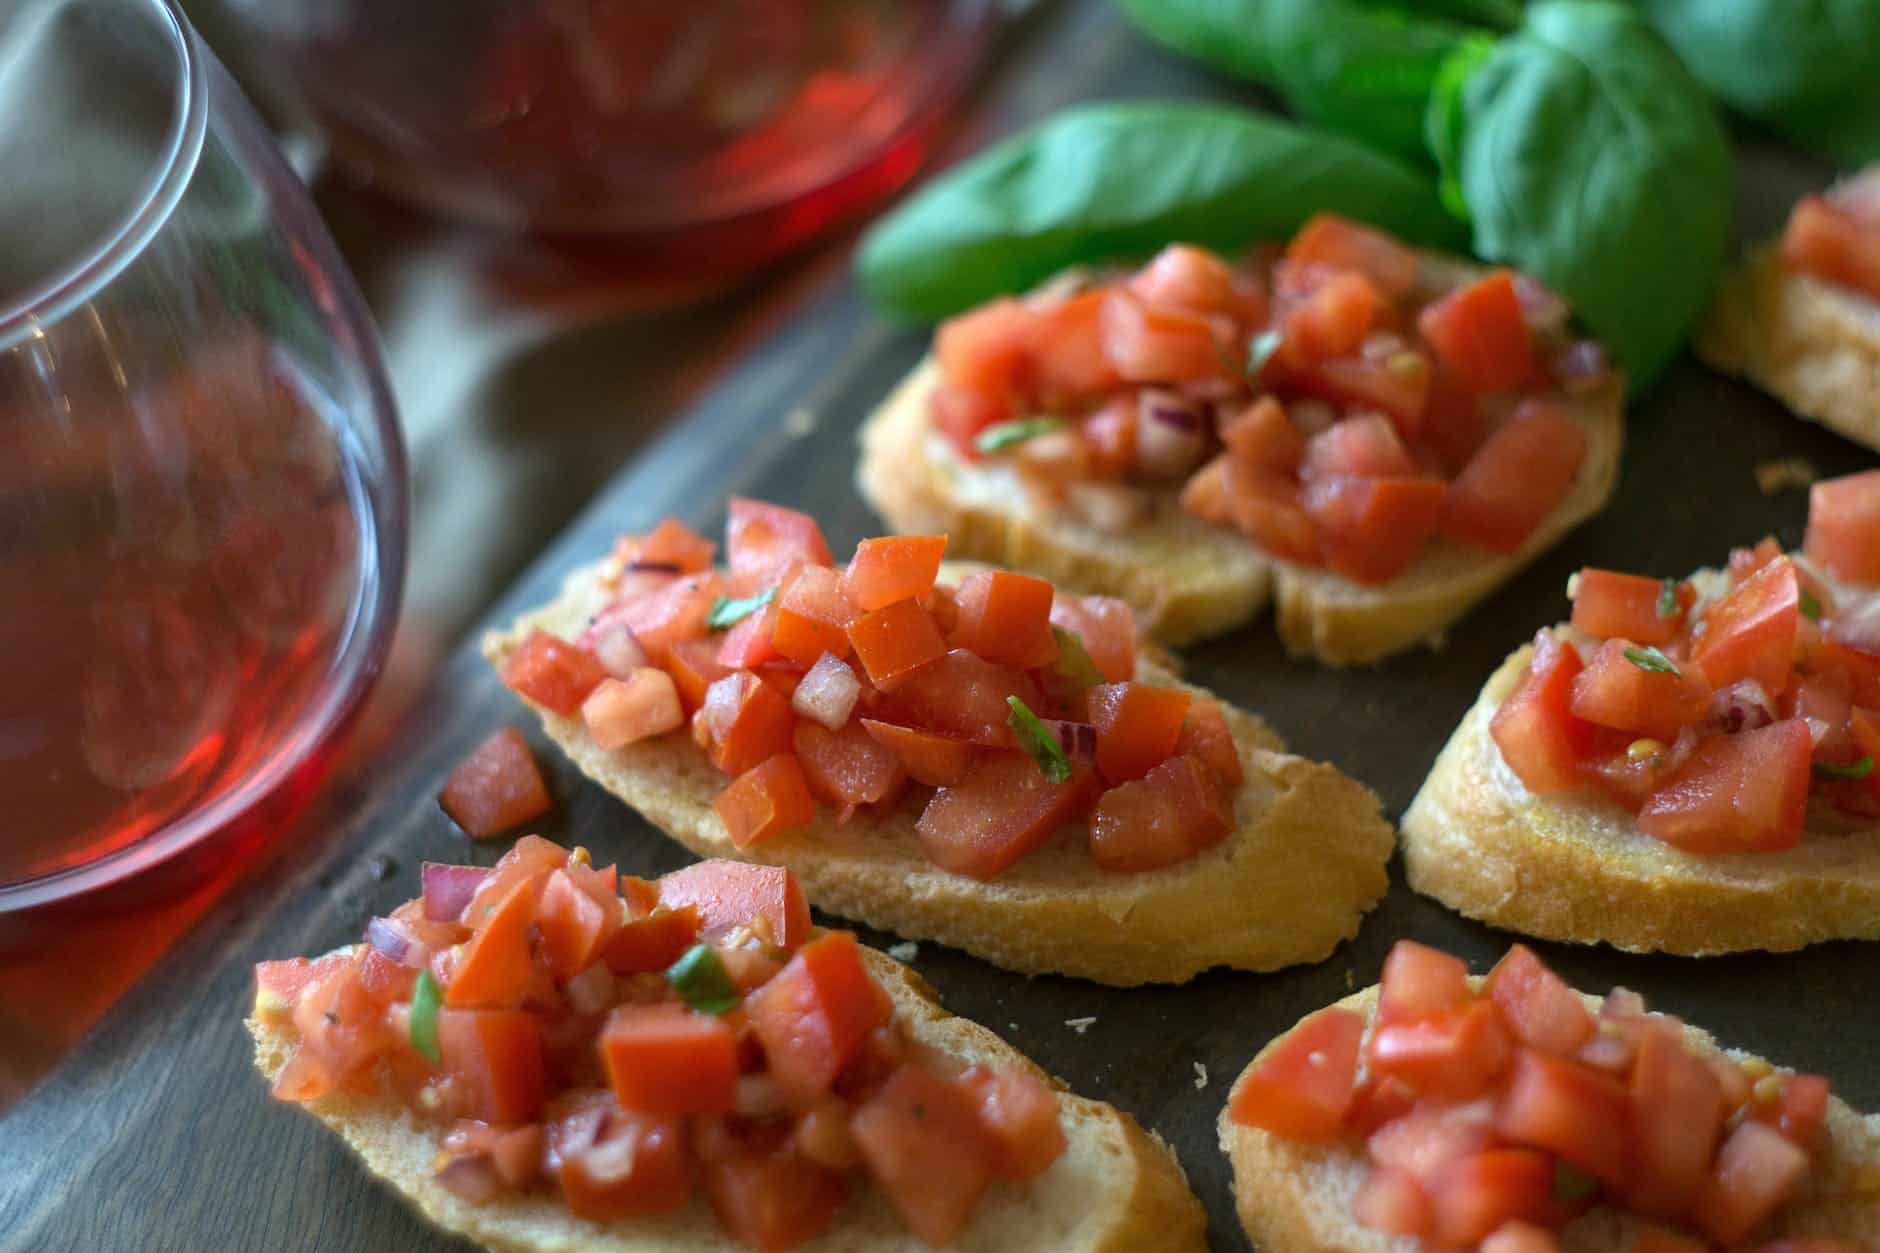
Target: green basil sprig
<point>426,999</point>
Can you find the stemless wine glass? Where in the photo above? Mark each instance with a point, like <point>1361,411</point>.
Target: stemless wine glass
<point>202,489</point>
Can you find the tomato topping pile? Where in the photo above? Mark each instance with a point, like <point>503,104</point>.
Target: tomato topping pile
<point>1716,718</point>
<point>1490,1117</point>
<point>622,1043</point>
<point>999,709</point>
<point>1836,237</point>
<point>1337,402</point>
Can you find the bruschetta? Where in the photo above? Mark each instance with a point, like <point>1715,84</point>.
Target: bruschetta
<point>1512,1114</point>
<point>1801,318</point>
<point>955,754</point>
<point>1369,438</point>
<point>1687,765</point>
<point>544,1055</point>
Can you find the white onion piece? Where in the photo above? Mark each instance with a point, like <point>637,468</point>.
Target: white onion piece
<point>1109,507</point>
<point>1856,623</point>
<point>618,650</point>
<point>448,889</point>
<point>1543,311</point>
<point>1170,436</point>
<point>828,692</point>
<point>1743,706</point>
<point>593,990</point>
<point>389,938</point>
<point>1583,367</point>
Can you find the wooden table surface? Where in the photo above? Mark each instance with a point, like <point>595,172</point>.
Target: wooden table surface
<point>154,1133</point>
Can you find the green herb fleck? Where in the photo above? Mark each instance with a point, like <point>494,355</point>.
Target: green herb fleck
<point>1811,606</point>
<point>1074,659</point>
<point>1036,738</point>
<point>1853,770</point>
<point>1651,659</point>
<point>1668,606</point>
<point>726,611</point>
<point>1002,435</point>
<point>702,981</point>
<point>1260,350</point>
<point>424,1003</point>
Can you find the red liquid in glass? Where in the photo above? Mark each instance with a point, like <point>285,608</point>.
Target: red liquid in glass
<point>177,575</point>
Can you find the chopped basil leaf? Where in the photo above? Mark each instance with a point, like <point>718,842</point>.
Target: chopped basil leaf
<point>1571,1185</point>
<point>424,1003</point>
<point>1002,435</point>
<point>1651,659</point>
<point>702,981</point>
<point>1260,350</point>
<point>1036,738</point>
<point>1853,770</point>
<point>1811,606</point>
<point>1074,659</point>
<point>1668,606</point>
<point>726,611</point>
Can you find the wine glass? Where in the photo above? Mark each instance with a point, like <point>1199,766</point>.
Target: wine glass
<point>202,487</point>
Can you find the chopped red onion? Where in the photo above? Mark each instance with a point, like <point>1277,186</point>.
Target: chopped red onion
<point>1077,739</point>
<point>1172,410</point>
<point>389,938</point>
<point>1583,367</point>
<point>1743,706</point>
<point>1540,307</point>
<point>651,567</point>
<point>616,647</point>
<point>1173,439</point>
<point>471,1177</point>
<point>448,889</point>
<point>828,692</point>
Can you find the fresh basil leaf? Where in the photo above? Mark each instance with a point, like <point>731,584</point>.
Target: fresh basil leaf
<point>1074,661</point>
<point>1590,158</point>
<point>1002,435</point>
<point>1036,738</point>
<point>1809,70</point>
<point>1668,605</point>
<point>1854,770</point>
<point>702,981</point>
<point>1651,659</point>
<point>1443,119</point>
<point>1226,34</point>
<point>726,612</point>
<point>425,1001</point>
<point>1810,606</point>
<point>1260,350</point>
<point>1116,180</point>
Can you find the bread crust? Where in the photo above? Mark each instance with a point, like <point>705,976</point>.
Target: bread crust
<point>1811,345</point>
<point>1296,1198</point>
<point>1191,580</point>
<point>1305,862</point>
<point>1578,869</point>
<point>1115,1189</point>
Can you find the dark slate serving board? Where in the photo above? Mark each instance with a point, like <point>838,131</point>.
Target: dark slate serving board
<point>157,1134</point>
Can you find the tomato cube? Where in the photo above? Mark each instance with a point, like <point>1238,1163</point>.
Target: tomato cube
<point>1137,725</point>
<point>1516,1236</point>
<point>1573,1112</point>
<point>988,349</point>
<point>897,567</point>
<point>1107,627</point>
<point>670,616</point>
<point>1392,1201</point>
<point>849,767</point>
<point>1302,1084</point>
<point>769,799</point>
<point>1158,343</point>
<point>1019,1112</point>
<point>1756,1172</point>
<point>812,616</point>
<point>620,712</point>
<point>496,788</point>
<point>621,1164</point>
<point>1515,479</point>
<point>751,641</point>
<point>1263,506</point>
<point>1539,735</point>
<point>1005,618</point>
<point>1617,691</point>
<point>960,414</point>
<point>923,1142</point>
<point>1335,241</point>
<point>1826,241</point>
<point>497,1056</point>
<point>813,1015</point>
<point>1750,632</point>
<point>1187,276</point>
<point>895,642</point>
<point>746,721</point>
<point>1803,1108</point>
<point>730,894</point>
<point>572,925</point>
<point>1677,1112</point>
<point>1263,438</point>
<point>962,696</point>
<point>763,541</point>
<point>1421,982</point>
<point>493,967</point>
<point>1003,809</point>
<point>652,943</point>
<point>1371,530</point>
<point>1539,1008</point>
<point>1333,320</point>
<point>772,1199</point>
<point>667,1059</point>
<point>1473,1196</point>
<point>1431,1135</point>
<point>1844,526</point>
<point>1738,793</point>
<point>1457,1054</point>
<point>694,667</point>
<point>1482,336</point>
<point>1207,738</point>
<point>1071,360</point>
<point>1399,385</point>
<point>671,543</point>
<point>1167,816</point>
<point>934,760</point>
<point>1609,605</point>
<point>1366,446</point>
<point>552,673</point>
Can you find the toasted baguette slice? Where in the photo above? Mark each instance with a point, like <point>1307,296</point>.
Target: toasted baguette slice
<point>1578,868</point>
<point>1292,881</point>
<point>1296,1198</point>
<point>1115,1189</point>
<point>1811,345</point>
<point>1190,579</point>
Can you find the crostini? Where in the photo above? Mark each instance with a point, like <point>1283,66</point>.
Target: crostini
<point>1371,438</point>
<point>1801,318</point>
<point>1513,1114</point>
<point>544,1055</point>
<point>962,755</point>
<point>1685,766</point>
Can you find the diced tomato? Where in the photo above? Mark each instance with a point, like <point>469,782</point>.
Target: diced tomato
<point>924,1145</point>
<point>278,984</point>
<point>1371,530</point>
<point>1539,735</point>
<point>1167,816</point>
<point>1518,476</point>
<point>1482,336</point>
<point>1517,1236</point>
<point>1206,737</point>
<point>762,541</point>
<point>1262,437</point>
<point>963,696</point>
<point>772,1199</point>
<point>1738,793</point>
<point>1750,632</point>
<point>667,1059</point>
<point>493,966</point>
<point>1398,384</point>
<point>530,858</point>
<point>1658,1240</point>
<point>1677,1112</point>
<point>1827,242</point>
<point>730,894</point>
<point>572,925</point>
<point>1333,320</point>
<point>767,800</point>
<point>751,642</point>
<point>1187,276</point>
<point>1825,704</point>
<point>1108,437</point>
<point>898,567</point>
<point>847,767</point>
<point>1457,1054</point>
<point>552,672</point>
<point>671,543</point>
<point>1803,1108</point>
<point>812,616</point>
<point>1107,627</point>
<point>1002,810</point>
<point>1155,343</point>
<point>652,943</point>
<point>1473,1196</point>
<point>385,980</point>
<point>1615,691</point>
<point>960,414</point>
<point>341,1030</point>
<point>620,712</point>
<point>1070,358</point>
<point>1137,727</point>
<point>988,349</point>
<point>496,788</point>
<point>1756,1172</point>
<point>1541,1011</point>
<point>497,1055</point>
<point>1452,423</point>
<point>671,616</point>
<point>1844,526</point>
<point>1020,1115</point>
<point>1609,605</point>
<point>1809,1244</point>
<point>1392,1201</point>
<point>934,760</point>
<point>694,667</point>
<point>895,642</point>
<point>1331,240</point>
<point>1302,1085</point>
<point>1005,617</point>
<point>1419,982</point>
<point>1431,1135</point>
<point>1367,446</point>
<point>1572,1111</point>
<point>1266,508</point>
<point>746,721</point>
<point>813,1015</point>
<point>621,1164</point>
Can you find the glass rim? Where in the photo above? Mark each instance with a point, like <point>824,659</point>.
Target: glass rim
<point>106,257</point>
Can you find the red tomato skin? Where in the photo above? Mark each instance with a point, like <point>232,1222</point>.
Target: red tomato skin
<point>1020,1114</point>
<point>847,767</point>
<point>961,414</point>
<point>1071,359</point>
<point>896,642</point>
<point>665,1059</point>
<point>658,1179</point>
<point>498,1054</point>
<point>730,894</point>
<point>934,760</point>
<point>1393,1201</point>
<point>1431,1134</point>
<point>1515,479</point>
<point>1332,320</point>
<point>1184,275</point>
<point>552,672</point>
<point>1614,691</point>
<point>1824,240</point>
<point>1473,1196</point>
<point>1137,725</point>
<point>1339,242</point>
<point>813,1015</point>
<point>672,543</point>
<point>772,1200</point>
<point>1372,530</point>
<point>1539,736</point>
<point>571,926</point>
<point>1571,1111</point>
<point>1263,438</point>
<point>962,696</point>
<point>1366,446</point>
<point>1756,1172</point>
<point>1419,981</point>
<point>1609,605</point>
<point>1741,792</point>
<point>924,1145</point>
<point>1302,1086</point>
<point>762,541</point>
<point>895,567</point>
<point>496,788</point>
<point>1541,1011</point>
<point>767,800</point>
<point>650,944</point>
<point>1206,737</point>
<point>1003,809</point>
<point>1167,816</point>
<point>494,965</point>
<point>1005,617</point>
<point>988,349</point>
<point>1155,343</point>
<point>1844,527</point>
<point>1750,632</point>
<point>1457,1055</point>
<point>1107,627</point>
<point>1482,336</point>
<point>1400,385</point>
<point>1267,509</point>
<point>1675,1115</point>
